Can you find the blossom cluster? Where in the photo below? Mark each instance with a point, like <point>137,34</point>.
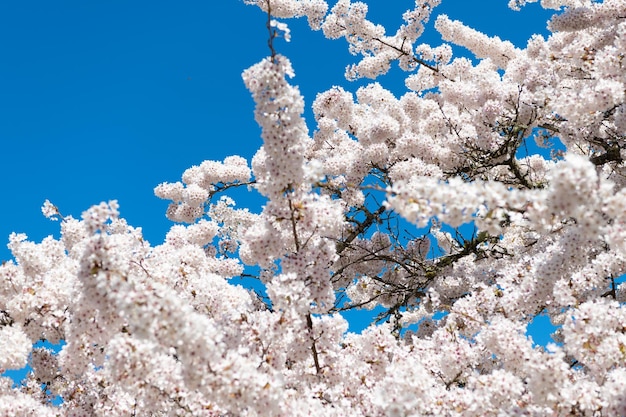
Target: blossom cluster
<point>190,196</point>
<point>423,208</point>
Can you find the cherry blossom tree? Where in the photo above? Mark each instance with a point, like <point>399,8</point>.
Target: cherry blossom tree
<point>161,331</point>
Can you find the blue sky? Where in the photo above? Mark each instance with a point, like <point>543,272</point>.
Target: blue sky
<point>106,99</point>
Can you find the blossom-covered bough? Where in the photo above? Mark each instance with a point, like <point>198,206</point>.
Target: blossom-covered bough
<point>160,331</point>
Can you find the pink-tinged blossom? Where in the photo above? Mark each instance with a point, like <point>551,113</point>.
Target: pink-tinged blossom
<point>503,237</point>
<point>15,347</point>
<point>482,46</point>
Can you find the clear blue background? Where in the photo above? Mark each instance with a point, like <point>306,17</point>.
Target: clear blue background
<point>104,100</point>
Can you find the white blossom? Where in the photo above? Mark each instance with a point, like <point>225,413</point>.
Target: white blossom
<point>14,347</point>
<point>424,210</point>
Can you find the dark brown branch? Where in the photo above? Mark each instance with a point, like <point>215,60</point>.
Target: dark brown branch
<point>612,154</point>
<point>272,33</point>
<point>513,165</point>
<point>309,323</point>
<point>370,218</point>
<point>413,57</point>
<point>220,187</point>
<point>293,225</point>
